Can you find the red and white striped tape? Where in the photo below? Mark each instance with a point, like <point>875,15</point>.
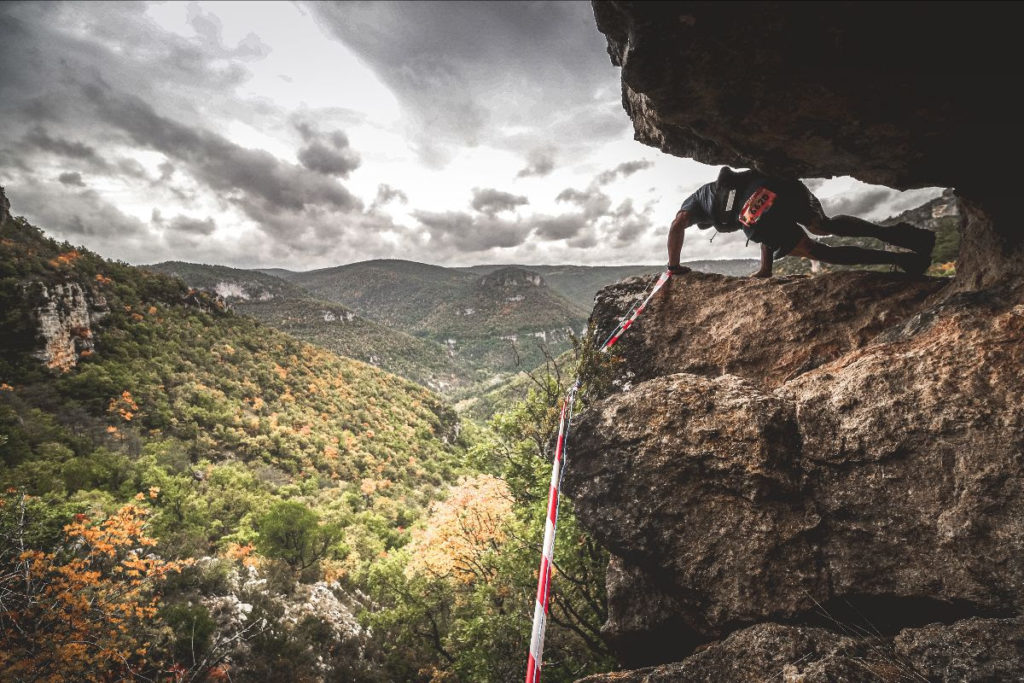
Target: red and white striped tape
<point>625,323</point>
<point>540,608</point>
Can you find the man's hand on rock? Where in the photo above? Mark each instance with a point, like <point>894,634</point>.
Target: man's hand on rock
<point>765,269</point>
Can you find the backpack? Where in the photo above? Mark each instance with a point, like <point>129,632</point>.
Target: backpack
<point>728,197</point>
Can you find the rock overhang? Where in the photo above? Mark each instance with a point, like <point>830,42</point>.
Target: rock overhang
<point>899,94</point>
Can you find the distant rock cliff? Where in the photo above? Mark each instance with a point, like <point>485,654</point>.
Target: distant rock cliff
<point>512,277</point>
<point>66,315</point>
<point>62,313</point>
<point>5,207</point>
<point>52,308</point>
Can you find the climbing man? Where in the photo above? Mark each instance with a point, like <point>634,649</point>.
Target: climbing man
<point>771,211</point>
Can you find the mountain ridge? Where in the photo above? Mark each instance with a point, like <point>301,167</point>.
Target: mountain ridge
<point>331,325</point>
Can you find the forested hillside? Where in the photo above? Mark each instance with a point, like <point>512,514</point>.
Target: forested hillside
<point>397,293</point>
<point>331,325</point>
<point>190,494</point>
<point>240,438</point>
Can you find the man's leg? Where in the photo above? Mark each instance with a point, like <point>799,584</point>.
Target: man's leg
<point>811,215</point>
<point>910,262</point>
<point>902,235</point>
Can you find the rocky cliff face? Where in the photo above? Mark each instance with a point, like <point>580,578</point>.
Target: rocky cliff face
<point>63,314</point>
<point>856,89</point>
<point>765,331</point>
<point>972,649</point>
<point>779,457</point>
<point>66,315</point>
<point>5,207</point>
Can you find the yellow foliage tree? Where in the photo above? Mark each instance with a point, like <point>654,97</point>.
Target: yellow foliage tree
<point>88,611</point>
<point>462,529</point>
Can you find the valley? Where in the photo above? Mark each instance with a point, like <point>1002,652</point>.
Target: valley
<point>460,331</point>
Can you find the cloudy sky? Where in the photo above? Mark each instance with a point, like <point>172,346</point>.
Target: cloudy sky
<point>309,135</point>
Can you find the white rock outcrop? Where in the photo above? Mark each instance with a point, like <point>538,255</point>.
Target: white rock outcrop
<point>66,316</point>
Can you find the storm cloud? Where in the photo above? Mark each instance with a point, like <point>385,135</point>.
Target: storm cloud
<point>463,71</point>
<point>253,179</point>
<point>631,223</point>
<point>592,221</point>
<point>560,227</point>
<point>329,154</point>
<point>472,233</point>
<point>193,226</point>
<point>595,220</point>
<point>539,162</point>
<point>593,202</point>
<point>329,160</point>
<point>491,201</point>
<point>72,149</point>
<point>70,178</point>
<point>624,170</point>
<point>859,203</point>
<point>387,194</point>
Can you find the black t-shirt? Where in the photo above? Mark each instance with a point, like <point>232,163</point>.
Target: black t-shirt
<point>699,206</point>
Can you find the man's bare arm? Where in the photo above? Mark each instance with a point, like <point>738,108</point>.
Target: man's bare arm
<point>766,263</point>
<point>675,237</point>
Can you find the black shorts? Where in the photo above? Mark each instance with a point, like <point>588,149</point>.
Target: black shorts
<point>773,211</point>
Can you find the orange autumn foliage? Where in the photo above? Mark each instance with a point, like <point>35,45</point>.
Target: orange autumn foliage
<point>86,611</point>
<point>242,553</point>
<point>65,259</point>
<point>462,529</point>
<point>124,406</point>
